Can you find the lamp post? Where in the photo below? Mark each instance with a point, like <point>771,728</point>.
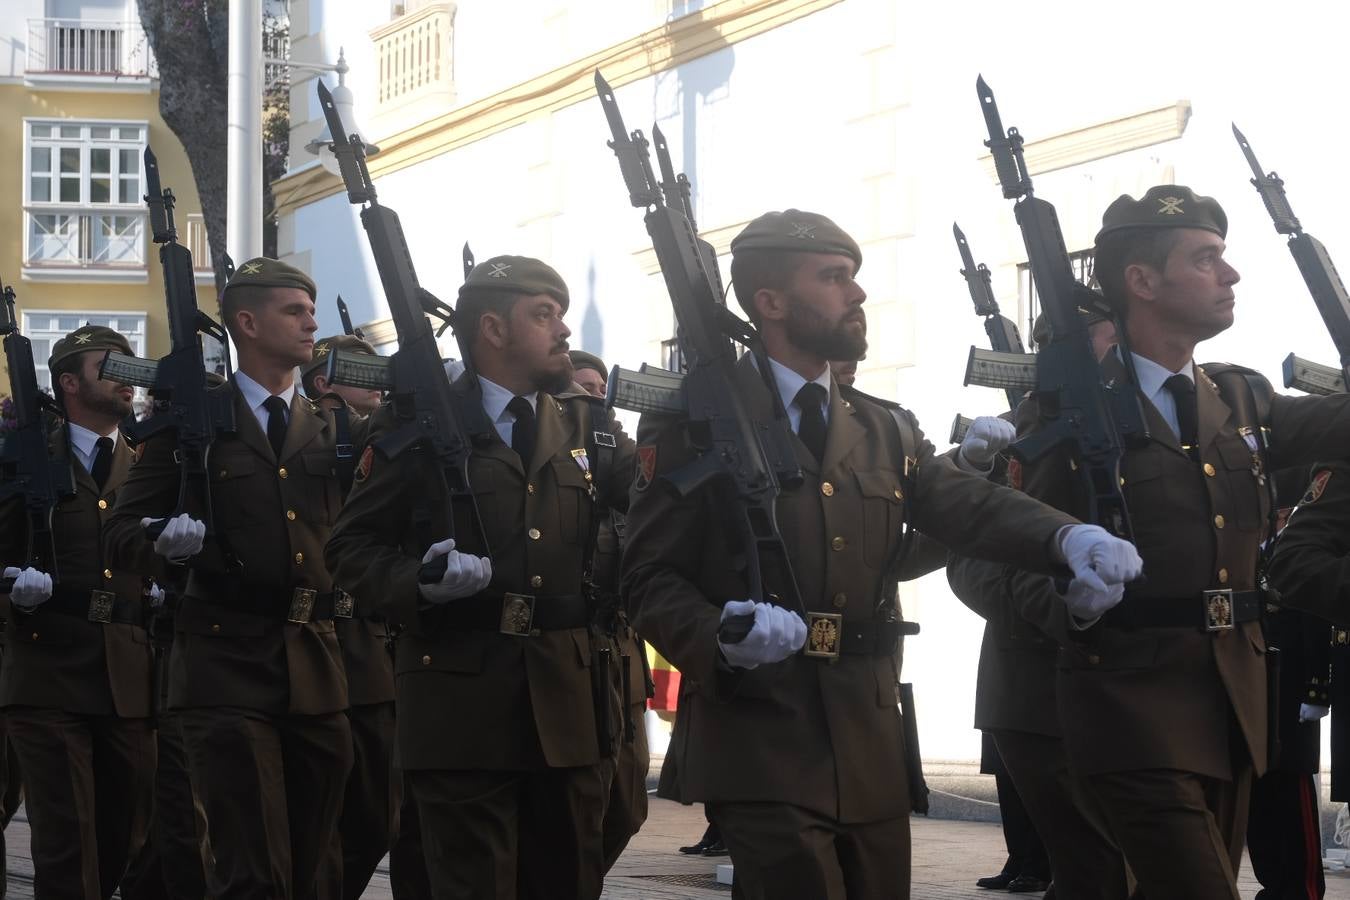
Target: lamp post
<point>244,201</point>
<point>344,101</point>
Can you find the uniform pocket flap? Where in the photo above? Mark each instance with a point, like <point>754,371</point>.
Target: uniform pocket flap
<point>1235,455</point>
<point>230,468</point>
<point>218,621</point>
<point>458,652</point>
<point>323,465</point>
<point>880,484</point>
<point>568,474</point>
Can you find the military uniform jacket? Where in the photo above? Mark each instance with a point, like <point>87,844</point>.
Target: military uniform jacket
<point>1311,564</point>
<point>273,516</point>
<point>823,736</point>
<point>61,661</point>
<point>1160,698</point>
<point>470,698</point>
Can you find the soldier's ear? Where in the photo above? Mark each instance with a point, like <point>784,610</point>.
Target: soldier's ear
<point>495,329</point>
<point>1141,280</point>
<point>770,305</point>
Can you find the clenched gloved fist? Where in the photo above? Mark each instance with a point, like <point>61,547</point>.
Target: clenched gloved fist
<point>31,588</point>
<point>987,438</point>
<point>181,538</point>
<point>465,574</point>
<point>1088,602</point>
<point>1096,557</point>
<point>1311,712</point>
<point>777,634</point>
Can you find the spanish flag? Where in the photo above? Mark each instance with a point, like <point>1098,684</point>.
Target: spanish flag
<point>666,678</point>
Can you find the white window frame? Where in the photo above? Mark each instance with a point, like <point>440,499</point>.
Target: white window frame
<point>36,326</point>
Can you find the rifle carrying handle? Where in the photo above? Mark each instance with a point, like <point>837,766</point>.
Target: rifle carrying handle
<point>734,628</point>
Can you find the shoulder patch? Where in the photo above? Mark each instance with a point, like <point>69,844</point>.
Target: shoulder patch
<point>363,467</point>
<point>646,467</point>
<point>1015,474</point>
<point>1317,487</point>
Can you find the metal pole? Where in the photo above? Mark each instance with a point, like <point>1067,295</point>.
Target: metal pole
<point>244,209</point>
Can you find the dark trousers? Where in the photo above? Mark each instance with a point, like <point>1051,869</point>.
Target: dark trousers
<point>408,878</point>
<point>271,787</point>
<point>89,787</point>
<point>627,808</point>
<point>1284,837</point>
<point>784,852</point>
<point>1181,832</point>
<point>171,864</point>
<point>11,793</point>
<point>505,835</point>
<point>1084,860</point>
<point>369,807</point>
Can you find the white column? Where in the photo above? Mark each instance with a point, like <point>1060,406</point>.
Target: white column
<point>244,209</point>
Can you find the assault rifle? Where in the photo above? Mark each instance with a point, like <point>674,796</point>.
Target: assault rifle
<point>429,412</point>
<point>184,402</point>
<point>1094,419</point>
<point>753,459</point>
<point>1319,274</point>
<point>27,469</point>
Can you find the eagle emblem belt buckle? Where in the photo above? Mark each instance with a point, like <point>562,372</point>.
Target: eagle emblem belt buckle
<point>101,606</point>
<point>302,605</point>
<point>1219,610</point>
<point>822,634</point>
<point>344,604</point>
<point>517,615</point>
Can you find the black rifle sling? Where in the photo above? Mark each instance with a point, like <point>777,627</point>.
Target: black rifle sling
<point>1249,395</point>
<point>908,467</point>
<point>344,458</point>
<point>600,446</point>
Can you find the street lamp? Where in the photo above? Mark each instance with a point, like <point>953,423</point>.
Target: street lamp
<point>343,99</point>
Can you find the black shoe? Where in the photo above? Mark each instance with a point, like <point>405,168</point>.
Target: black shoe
<point>696,849</point>
<point>716,848</point>
<point>996,882</point>
<point>1026,884</point>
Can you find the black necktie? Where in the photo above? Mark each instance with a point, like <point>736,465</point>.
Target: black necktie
<point>276,423</point>
<point>1183,392</point>
<point>522,432</point>
<point>809,400</point>
<point>103,451</point>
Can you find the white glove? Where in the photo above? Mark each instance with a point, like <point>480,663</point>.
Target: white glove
<point>986,438</point>
<point>465,574</point>
<point>1096,557</point>
<point>777,634</point>
<point>1088,602</point>
<point>181,538</point>
<point>1311,712</point>
<point>31,588</point>
<point>156,596</point>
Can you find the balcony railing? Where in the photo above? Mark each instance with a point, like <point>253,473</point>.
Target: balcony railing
<point>84,238</point>
<point>197,244</point>
<point>415,54</point>
<point>84,47</point>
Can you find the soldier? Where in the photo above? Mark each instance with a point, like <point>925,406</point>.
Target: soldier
<point>627,808</point>
<point>800,756</point>
<point>1163,696</point>
<point>75,684</point>
<point>499,732</point>
<point>256,674</point>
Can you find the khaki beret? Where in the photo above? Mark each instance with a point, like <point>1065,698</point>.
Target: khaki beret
<point>516,275</point>
<point>1164,206</point>
<point>795,231</point>
<point>1041,330</point>
<point>86,338</point>
<point>263,272</point>
<point>324,346</point>
<point>583,360</point>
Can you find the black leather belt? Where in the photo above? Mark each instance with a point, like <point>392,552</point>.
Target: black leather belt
<point>519,615</point>
<point>828,636</point>
<point>94,606</point>
<point>1212,611</point>
<point>295,605</point>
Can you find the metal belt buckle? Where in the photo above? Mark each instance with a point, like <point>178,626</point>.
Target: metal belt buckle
<point>1218,610</point>
<point>344,604</point>
<point>517,615</point>
<point>822,634</point>
<point>101,606</point>
<point>302,605</point>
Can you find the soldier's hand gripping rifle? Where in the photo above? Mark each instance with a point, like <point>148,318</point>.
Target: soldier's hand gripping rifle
<point>428,410</point>
<point>751,458</point>
<point>184,402</point>
<point>1094,419</point>
<point>1319,274</point>
<point>27,468</point>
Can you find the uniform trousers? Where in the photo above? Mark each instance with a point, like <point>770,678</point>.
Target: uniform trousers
<point>171,865</point>
<point>89,783</point>
<point>408,879</point>
<point>1181,832</point>
<point>1284,837</point>
<point>271,787</point>
<point>11,793</point>
<point>370,805</point>
<point>503,835</point>
<point>1085,862</point>
<point>627,808</point>
<point>785,852</point>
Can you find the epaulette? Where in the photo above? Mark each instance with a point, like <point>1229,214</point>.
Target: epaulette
<point>1262,390</point>
<point>850,393</point>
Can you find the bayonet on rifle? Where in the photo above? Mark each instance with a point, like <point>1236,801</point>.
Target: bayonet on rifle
<point>347,326</point>
<point>1003,336</point>
<point>468,261</point>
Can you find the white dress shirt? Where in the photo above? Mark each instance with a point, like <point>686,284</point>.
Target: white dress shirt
<point>84,444</point>
<point>495,398</point>
<point>789,383</point>
<point>255,395</point>
<point>1152,377</point>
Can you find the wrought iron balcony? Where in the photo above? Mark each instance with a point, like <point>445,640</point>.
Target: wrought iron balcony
<point>82,47</point>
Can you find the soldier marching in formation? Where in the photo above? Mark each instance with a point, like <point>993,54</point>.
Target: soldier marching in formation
<point>376,653</point>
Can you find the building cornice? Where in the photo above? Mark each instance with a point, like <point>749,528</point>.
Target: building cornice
<point>1099,141</point>
<point>690,37</point>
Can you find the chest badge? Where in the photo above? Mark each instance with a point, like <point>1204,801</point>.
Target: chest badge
<point>583,462</point>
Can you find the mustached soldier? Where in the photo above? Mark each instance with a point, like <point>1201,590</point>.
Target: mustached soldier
<point>256,674</point>
<point>76,681</point>
<point>800,757</point>
<point>498,726</point>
